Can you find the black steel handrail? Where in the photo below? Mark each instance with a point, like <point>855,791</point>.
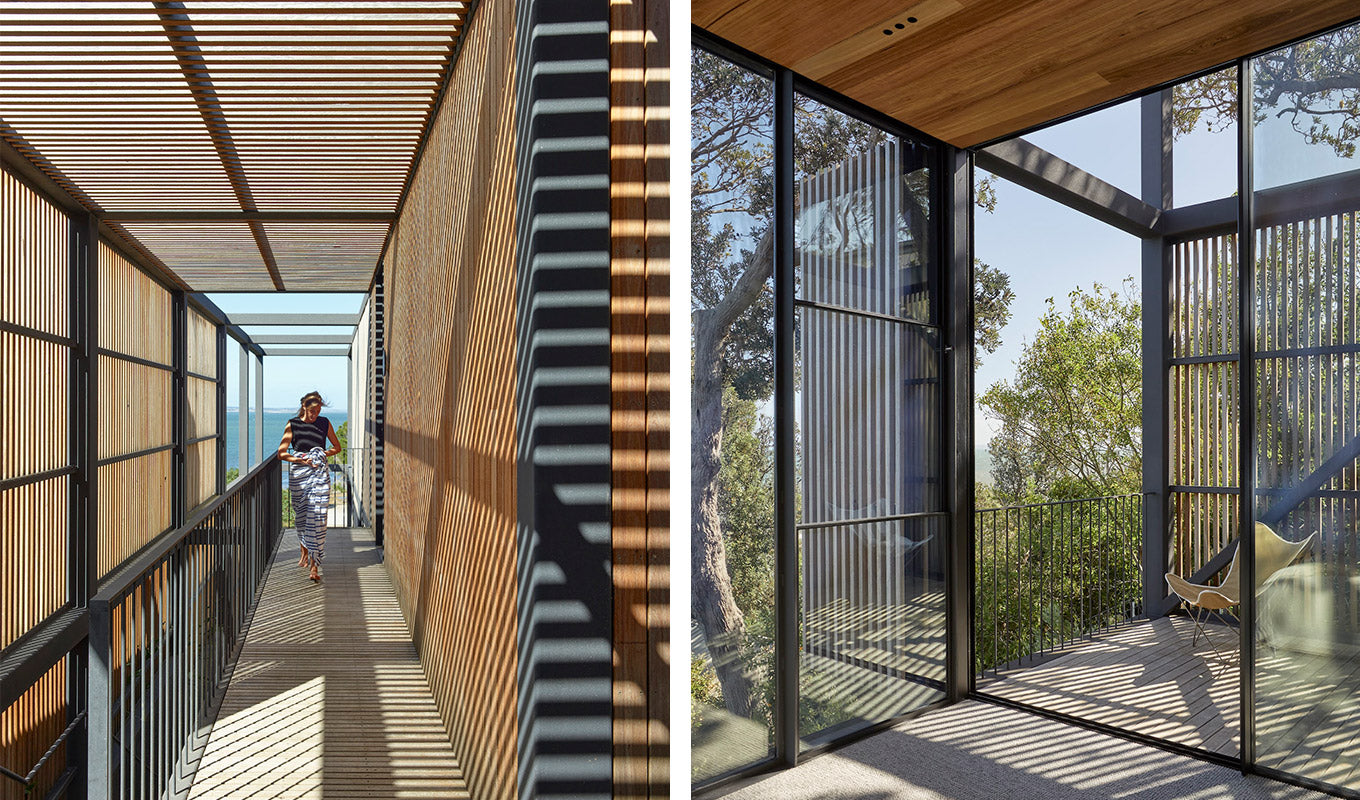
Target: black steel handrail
<point>116,586</point>
<point>1062,502</point>
<point>1053,573</point>
<point>164,632</point>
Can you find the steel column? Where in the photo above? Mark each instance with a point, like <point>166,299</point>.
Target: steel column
<point>179,405</point>
<point>99,756</point>
<point>83,423</point>
<point>243,412</point>
<point>1246,394</point>
<point>259,408</point>
<point>1155,157</point>
<point>787,650</point>
<point>221,409</point>
<point>960,480</point>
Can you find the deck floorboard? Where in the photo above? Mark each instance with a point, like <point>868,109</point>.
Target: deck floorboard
<point>328,698</point>
<point>1147,678</point>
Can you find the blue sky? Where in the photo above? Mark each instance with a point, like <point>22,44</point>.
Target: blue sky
<point>287,378</point>
<point>1048,249</point>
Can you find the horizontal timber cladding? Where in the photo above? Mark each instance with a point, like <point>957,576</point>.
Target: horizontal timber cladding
<point>450,425</point>
<point>35,360</point>
<point>134,413</point>
<point>639,408</point>
<point>28,728</point>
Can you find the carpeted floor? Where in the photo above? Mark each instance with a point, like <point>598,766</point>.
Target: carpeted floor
<point>976,750</point>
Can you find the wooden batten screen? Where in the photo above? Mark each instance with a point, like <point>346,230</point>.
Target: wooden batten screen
<point>450,505</point>
<point>1203,388</point>
<point>201,456</point>
<point>135,409</point>
<point>639,386</point>
<point>28,727</point>
<point>1307,286</point>
<point>35,356</point>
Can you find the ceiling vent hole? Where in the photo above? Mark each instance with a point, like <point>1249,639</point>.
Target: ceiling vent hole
<point>887,32</point>
<point>911,19</point>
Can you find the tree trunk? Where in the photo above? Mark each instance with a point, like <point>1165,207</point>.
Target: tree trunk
<point>712,601</point>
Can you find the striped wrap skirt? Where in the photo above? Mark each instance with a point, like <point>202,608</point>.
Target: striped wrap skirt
<point>310,486</point>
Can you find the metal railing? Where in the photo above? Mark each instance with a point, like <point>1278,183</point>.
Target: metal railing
<point>163,631</point>
<point>1049,574</point>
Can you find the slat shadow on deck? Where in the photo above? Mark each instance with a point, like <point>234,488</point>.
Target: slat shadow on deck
<point>1147,678</point>
<point>328,698</point>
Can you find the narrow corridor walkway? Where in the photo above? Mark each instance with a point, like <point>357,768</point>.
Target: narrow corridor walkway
<point>328,699</point>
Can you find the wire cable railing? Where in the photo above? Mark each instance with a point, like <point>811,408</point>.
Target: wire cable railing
<point>1050,574</point>
<point>163,633</point>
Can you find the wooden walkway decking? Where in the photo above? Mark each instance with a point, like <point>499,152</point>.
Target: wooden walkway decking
<point>328,699</point>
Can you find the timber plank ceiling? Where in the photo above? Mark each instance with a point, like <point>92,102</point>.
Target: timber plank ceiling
<point>968,71</point>
<point>245,145</point>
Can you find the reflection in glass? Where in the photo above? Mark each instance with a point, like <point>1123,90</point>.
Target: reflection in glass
<point>871,531</point>
<point>1306,274</point>
<point>732,462</point>
<point>869,417</point>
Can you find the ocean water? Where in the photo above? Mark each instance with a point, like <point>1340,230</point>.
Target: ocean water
<point>274,420</point>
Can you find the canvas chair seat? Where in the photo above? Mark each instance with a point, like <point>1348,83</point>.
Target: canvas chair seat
<point>1273,553</point>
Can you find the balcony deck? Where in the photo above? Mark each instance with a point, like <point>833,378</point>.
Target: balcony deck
<point>328,697</point>
<point>1146,678</point>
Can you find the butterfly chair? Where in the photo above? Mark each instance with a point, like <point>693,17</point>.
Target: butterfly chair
<point>1272,554</point>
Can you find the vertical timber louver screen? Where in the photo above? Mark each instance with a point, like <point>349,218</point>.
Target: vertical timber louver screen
<point>35,352</point>
<point>35,462</point>
<point>639,372</point>
<point>1203,405</point>
<point>450,420</point>
<point>201,452</point>
<point>1307,337</point>
<point>29,726</point>
<point>135,395</point>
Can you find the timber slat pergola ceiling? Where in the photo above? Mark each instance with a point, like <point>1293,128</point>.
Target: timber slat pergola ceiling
<point>243,145</point>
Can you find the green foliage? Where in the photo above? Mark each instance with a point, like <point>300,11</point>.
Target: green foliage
<point>992,298</point>
<point>233,473</point>
<point>1071,427</point>
<point>289,520</point>
<point>704,690</point>
<point>342,433</point>
<point>1052,573</point>
<point>746,503</point>
<point>1071,419</point>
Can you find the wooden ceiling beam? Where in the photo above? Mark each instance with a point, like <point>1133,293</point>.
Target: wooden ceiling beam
<point>191,61</point>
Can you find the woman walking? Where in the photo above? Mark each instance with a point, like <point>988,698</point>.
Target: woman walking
<point>309,479</point>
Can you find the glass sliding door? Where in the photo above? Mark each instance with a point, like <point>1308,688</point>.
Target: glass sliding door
<point>871,522</point>
<point>732,452</point>
<point>1306,286</point>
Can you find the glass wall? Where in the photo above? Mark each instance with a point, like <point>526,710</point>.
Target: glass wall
<point>864,517</point>
<point>871,519</point>
<point>732,458</point>
<point>1306,205</point>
